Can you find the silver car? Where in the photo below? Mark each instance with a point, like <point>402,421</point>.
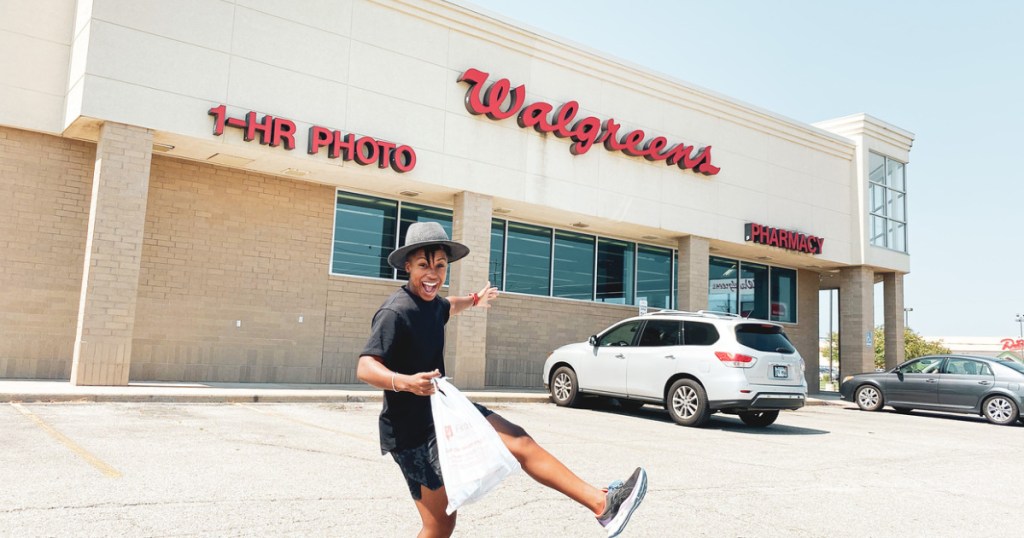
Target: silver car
<point>986,386</point>
<point>693,363</point>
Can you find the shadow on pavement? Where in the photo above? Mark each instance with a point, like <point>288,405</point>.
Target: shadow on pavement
<point>937,415</point>
<point>718,421</point>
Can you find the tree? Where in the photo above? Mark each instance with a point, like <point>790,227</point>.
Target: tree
<point>914,345</point>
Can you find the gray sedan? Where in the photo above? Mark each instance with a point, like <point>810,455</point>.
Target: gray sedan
<point>993,388</point>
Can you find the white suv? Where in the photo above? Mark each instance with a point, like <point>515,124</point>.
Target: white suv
<point>693,363</point>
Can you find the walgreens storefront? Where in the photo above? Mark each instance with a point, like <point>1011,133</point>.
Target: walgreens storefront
<point>225,214</point>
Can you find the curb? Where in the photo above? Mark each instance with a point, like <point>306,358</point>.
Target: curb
<point>270,397</point>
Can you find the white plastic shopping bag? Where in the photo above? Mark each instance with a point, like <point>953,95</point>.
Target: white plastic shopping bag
<point>473,458</point>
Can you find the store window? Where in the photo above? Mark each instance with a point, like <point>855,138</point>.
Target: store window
<point>364,235</point>
<point>752,290</point>
<point>419,213</point>
<point>654,276</point>
<point>615,271</point>
<point>366,230</point>
<point>783,290</point>
<point>524,258</point>
<point>497,262</point>
<point>887,194</point>
<point>560,263</point>
<point>723,282</point>
<point>573,272</point>
<point>528,263</point>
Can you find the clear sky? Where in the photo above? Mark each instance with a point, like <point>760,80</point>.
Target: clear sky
<point>950,72</point>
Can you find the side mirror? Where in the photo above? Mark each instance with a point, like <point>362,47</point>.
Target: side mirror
<point>593,340</point>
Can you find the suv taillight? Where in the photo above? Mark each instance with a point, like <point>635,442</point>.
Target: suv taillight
<point>735,360</point>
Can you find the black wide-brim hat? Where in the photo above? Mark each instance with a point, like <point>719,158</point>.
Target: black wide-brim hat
<point>424,234</point>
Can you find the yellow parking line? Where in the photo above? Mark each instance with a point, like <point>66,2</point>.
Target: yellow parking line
<point>304,423</point>
<point>71,445</point>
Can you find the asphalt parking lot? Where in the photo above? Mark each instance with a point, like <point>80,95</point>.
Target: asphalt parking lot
<point>154,469</point>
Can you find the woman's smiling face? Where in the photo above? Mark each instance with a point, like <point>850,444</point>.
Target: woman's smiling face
<point>427,269</point>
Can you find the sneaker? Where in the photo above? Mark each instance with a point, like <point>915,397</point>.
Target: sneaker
<point>622,499</point>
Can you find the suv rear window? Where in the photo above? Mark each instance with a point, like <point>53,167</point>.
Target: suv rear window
<point>699,334</point>
<point>764,337</point>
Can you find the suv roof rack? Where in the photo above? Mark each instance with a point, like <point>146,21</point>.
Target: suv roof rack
<point>719,313</point>
<point>668,311</point>
<point>699,313</point>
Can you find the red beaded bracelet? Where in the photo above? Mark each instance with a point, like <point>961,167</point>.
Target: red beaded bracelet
<point>476,298</point>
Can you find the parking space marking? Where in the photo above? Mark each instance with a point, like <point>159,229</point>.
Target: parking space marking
<point>99,464</point>
<point>304,423</point>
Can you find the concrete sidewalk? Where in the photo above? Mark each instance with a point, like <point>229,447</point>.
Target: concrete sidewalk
<point>34,390</point>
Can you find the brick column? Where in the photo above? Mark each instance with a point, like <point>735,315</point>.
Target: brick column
<point>805,333</point>
<point>466,353</point>
<point>856,320</point>
<point>113,253</point>
<point>693,274</point>
<point>892,299</point>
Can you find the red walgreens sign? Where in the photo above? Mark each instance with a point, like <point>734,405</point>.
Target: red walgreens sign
<point>584,133</point>
<point>789,240</point>
<point>279,131</point>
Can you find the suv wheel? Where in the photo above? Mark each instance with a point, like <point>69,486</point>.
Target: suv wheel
<point>759,419</point>
<point>1000,410</point>
<point>688,403</point>
<point>564,390</point>
<point>869,398</point>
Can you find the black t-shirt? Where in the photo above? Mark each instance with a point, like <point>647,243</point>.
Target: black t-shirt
<point>408,333</point>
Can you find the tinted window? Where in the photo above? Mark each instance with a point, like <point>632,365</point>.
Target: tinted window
<point>661,332</point>
<point>615,271</point>
<point>497,253</point>
<point>623,335</point>
<point>654,276</point>
<point>966,367</point>
<point>528,261</point>
<point>783,292</point>
<point>364,235</point>
<point>722,284</point>
<point>764,337</point>
<point>412,213</point>
<point>927,365</point>
<point>574,266</point>
<point>696,333</point>
<point>753,290</point>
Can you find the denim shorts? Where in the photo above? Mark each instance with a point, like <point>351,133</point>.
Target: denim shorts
<point>420,465</point>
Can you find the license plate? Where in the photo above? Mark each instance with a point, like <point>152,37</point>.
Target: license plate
<point>780,370</point>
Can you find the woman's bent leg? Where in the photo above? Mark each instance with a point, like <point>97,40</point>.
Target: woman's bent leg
<point>545,468</point>
<point>431,506</point>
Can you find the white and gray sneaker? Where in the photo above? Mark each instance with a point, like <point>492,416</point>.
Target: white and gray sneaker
<point>621,500</point>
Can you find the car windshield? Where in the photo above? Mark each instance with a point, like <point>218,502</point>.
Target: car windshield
<point>764,337</point>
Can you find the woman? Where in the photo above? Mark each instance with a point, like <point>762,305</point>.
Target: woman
<point>406,350</point>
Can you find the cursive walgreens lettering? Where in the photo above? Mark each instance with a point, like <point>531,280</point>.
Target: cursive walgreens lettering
<point>500,101</point>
